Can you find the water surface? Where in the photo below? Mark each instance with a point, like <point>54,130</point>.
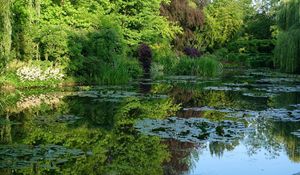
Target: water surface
<point>246,122</point>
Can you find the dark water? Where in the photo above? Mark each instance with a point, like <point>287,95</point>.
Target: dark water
<point>247,122</point>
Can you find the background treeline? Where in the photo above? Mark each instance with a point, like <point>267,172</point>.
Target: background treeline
<point>96,41</point>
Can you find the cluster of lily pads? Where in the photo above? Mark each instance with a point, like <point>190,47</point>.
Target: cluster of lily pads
<point>281,114</point>
<point>46,156</point>
<point>115,95</point>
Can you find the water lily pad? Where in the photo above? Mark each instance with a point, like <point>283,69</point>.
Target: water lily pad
<point>196,130</point>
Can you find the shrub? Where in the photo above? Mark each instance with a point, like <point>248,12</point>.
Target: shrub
<point>33,73</point>
<point>96,55</point>
<point>145,57</point>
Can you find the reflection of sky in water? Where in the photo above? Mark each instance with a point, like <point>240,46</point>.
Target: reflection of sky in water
<point>240,163</point>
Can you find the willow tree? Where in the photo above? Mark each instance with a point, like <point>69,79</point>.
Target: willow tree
<point>287,52</point>
<point>5,31</point>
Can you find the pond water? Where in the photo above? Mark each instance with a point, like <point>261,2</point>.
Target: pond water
<point>245,122</point>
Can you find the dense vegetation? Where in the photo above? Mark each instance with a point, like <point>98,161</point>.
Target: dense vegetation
<point>99,41</point>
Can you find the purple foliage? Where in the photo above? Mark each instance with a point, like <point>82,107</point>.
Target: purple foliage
<point>145,57</point>
<point>192,52</point>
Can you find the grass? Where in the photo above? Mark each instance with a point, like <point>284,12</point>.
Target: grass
<point>206,66</point>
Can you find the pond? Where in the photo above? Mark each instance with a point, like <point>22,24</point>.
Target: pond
<point>245,122</point>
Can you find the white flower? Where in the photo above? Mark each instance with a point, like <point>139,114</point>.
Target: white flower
<point>31,73</point>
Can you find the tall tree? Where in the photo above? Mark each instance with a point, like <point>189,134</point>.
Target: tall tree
<point>223,19</point>
<point>287,51</point>
<point>189,14</point>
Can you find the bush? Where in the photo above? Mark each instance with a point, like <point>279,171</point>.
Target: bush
<point>19,74</point>
<point>98,56</point>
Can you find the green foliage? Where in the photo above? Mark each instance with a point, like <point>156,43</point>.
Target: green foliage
<point>287,52</point>
<point>141,22</point>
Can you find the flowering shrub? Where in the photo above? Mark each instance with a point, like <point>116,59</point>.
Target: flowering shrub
<point>33,73</point>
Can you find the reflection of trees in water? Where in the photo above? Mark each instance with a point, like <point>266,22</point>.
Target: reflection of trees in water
<point>189,114</point>
<point>274,136</point>
<point>180,160</point>
<point>183,154</point>
<point>5,131</point>
<point>117,150</point>
<point>218,148</point>
<point>100,113</point>
<point>199,97</point>
<point>284,100</point>
<point>145,84</point>
<point>282,133</point>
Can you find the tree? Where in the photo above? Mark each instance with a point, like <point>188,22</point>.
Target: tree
<point>223,19</point>
<point>189,15</point>
<point>287,51</point>
<point>141,22</point>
